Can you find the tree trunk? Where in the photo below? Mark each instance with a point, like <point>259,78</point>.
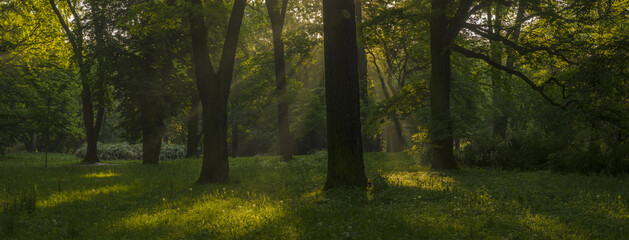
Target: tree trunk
<point>499,85</point>
<point>345,155</point>
<point>31,144</point>
<point>395,138</point>
<point>214,91</point>
<point>192,145</point>
<point>152,127</point>
<point>276,15</point>
<point>76,40</point>
<point>441,126</point>
<point>370,143</point>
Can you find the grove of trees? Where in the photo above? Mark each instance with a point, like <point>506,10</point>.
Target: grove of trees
<point>531,85</point>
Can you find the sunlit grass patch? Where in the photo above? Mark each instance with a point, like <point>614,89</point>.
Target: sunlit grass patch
<point>106,174</point>
<point>80,195</point>
<point>217,215</point>
<point>269,199</point>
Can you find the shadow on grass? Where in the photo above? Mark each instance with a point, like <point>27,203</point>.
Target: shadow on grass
<point>272,200</point>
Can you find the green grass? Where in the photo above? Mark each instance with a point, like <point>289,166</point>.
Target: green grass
<point>269,199</point>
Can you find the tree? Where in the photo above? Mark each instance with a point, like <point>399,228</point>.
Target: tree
<point>213,89</point>
<point>37,101</point>
<point>277,14</point>
<point>442,33</point>
<point>149,80</point>
<point>345,155</point>
<point>92,120</point>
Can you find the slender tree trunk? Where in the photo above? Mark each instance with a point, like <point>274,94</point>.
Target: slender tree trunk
<point>192,145</point>
<point>441,132</point>
<point>152,127</point>
<point>91,133</point>
<point>345,155</point>
<point>31,144</point>
<point>499,85</point>
<point>395,139</point>
<point>510,61</point>
<point>370,143</point>
<point>277,15</point>
<point>76,40</point>
<point>214,91</point>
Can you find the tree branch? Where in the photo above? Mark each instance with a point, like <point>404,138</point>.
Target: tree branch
<point>63,23</point>
<point>539,89</point>
<point>520,49</point>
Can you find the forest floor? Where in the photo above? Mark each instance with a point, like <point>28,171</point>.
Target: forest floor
<point>268,199</point>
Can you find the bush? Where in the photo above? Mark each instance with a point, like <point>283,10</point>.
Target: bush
<point>125,151</point>
<point>526,149</point>
<point>532,149</point>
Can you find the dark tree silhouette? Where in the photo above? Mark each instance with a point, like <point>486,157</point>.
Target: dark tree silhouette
<point>345,151</point>
<point>213,89</point>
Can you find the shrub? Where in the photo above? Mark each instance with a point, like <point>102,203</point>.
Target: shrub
<point>125,151</point>
<point>526,149</point>
<point>531,149</point>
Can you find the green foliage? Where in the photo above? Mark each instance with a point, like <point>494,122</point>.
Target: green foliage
<point>125,151</point>
<point>310,134</point>
<point>42,101</point>
<point>270,200</point>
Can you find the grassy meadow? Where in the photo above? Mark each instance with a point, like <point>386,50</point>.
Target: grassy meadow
<point>269,199</point>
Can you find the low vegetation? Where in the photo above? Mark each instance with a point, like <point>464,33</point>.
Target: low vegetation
<point>269,199</point>
<point>125,151</point>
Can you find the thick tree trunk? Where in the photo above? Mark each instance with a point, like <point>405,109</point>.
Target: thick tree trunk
<point>214,91</point>
<point>192,145</point>
<point>345,155</point>
<point>215,168</point>
<point>149,146</point>
<point>276,15</point>
<point>441,132</point>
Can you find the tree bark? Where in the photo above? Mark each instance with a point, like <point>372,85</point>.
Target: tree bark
<point>277,15</point>
<point>441,127</point>
<point>214,91</point>
<point>345,155</point>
